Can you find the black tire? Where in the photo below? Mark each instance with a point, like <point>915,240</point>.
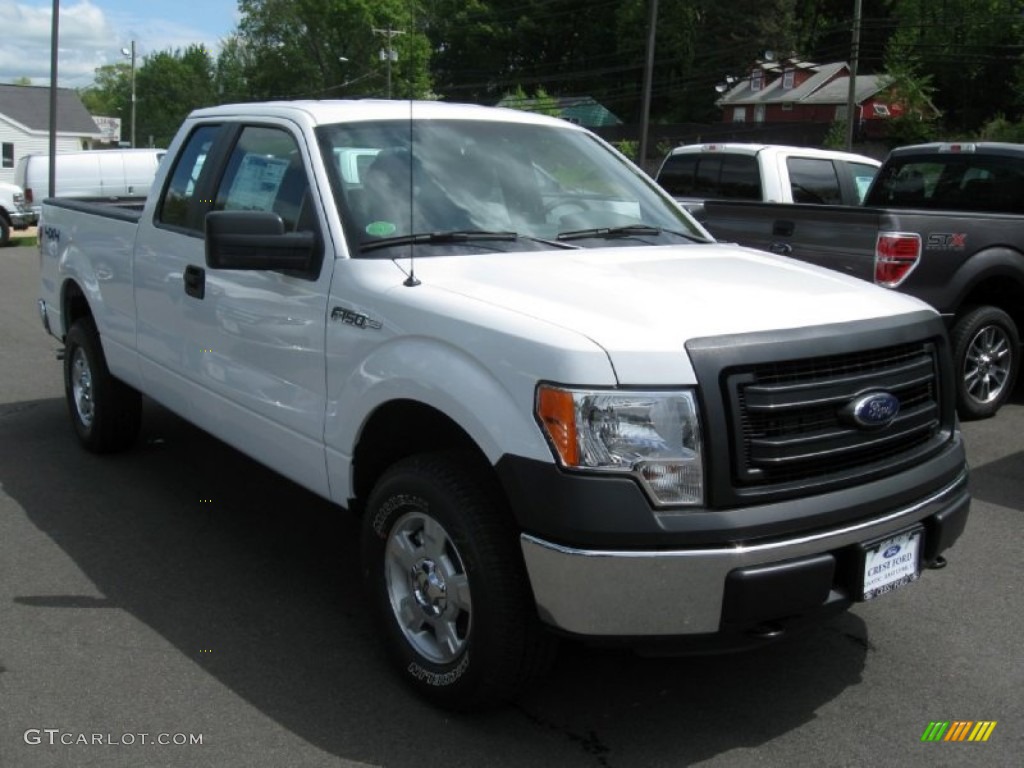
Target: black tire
<point>986,349</point>
<point>5,232</point>
<point>106,413</point>
<point>439,547</point>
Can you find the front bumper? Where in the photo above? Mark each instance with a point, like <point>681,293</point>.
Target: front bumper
<point>713,589</point>
<point>23,219</point>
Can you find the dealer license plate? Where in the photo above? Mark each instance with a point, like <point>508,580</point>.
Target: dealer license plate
<point>892,563</point>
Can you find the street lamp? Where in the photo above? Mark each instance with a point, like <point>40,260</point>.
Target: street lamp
<point>131,53</point>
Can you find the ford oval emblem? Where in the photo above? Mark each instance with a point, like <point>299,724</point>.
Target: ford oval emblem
<point>891,551</point>
<point>874,410</point>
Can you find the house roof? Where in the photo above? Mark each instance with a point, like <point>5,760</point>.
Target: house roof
<point>837,92</point>
<point>774,93</point>
<point>29,106</point>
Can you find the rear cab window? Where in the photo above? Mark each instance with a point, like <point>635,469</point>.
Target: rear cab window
<point>712,176</point>
<point>984,184</point>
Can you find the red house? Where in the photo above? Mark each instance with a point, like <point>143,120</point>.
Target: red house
<point>792,90</point>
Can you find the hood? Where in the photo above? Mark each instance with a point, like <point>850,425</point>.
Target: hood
<point>638,302</point>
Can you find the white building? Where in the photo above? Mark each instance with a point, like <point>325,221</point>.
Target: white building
<point>25,124</point>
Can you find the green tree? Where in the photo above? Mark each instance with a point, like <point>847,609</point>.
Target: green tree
<point>971,49</point>
<point>913,91</point>
<point>168,86</point>
<point>328,48</point>
<point>233,71</point>
<point>110,94</point>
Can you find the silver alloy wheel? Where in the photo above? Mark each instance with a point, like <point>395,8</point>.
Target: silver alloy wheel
<point>81,387</point>
<point>987,364</point>
<point>428,587</point>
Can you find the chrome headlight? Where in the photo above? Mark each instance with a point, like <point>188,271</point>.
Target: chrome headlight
<point>654,436</point>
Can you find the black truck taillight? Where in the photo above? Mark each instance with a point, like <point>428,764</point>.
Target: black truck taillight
<point>896,255</point>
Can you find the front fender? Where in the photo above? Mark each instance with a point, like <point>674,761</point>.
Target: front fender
<point>497,417</point>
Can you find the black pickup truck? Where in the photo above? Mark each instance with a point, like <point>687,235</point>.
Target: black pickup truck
<point>942,222</point>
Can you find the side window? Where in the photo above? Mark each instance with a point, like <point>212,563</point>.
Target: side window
<point>8,154</point>
<point>265,173</point>
<point>177,203</point>
<point>814,181</point>
<point>863,175</point>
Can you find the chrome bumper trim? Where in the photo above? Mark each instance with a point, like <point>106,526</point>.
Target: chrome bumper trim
<point>679,592</point>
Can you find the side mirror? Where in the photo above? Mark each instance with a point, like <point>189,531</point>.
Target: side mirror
<point>257,240</point>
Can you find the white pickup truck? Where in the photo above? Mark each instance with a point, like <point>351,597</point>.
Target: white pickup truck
<point>14,211</point>
<point>770,173</point>
<point>557,404</point>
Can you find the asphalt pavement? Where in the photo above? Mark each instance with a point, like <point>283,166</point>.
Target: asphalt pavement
<point>180,605</point>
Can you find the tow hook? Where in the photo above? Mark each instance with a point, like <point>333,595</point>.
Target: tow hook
<point>938,563</point>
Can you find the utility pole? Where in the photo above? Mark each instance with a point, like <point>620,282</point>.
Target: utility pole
<point>54,38</point>
<point>851,97</point>
<point>131,53</point>
<point>389,53</point>
<point>652,23</point>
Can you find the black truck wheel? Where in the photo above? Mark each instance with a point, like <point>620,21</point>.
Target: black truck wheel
<point>105,412</point>
<point>445,577</point>
<point>986,348</point>
<point>5,232</point>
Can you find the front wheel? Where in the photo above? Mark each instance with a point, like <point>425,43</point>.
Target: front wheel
<point>105,412</point>
<point>986,347</point>
<point>446,580</point>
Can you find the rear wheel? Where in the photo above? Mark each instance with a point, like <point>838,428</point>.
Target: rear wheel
<point>986,346</point>
<point>445,575</point>
<point>5,232</point>
<point>105,412</point>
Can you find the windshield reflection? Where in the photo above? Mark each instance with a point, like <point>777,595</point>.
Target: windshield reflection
<point>399,183</point>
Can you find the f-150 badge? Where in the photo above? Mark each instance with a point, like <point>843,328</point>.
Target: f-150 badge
<point>351,317</point>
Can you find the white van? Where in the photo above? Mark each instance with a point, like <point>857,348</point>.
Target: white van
<point>102,174</point>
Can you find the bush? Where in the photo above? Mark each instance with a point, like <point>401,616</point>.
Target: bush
<point>1001,129</point>
<point>628,147</point>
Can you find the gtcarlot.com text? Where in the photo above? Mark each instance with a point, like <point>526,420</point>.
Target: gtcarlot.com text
<point>55,736</point>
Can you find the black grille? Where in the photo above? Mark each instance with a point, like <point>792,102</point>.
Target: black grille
<point>788,421</point>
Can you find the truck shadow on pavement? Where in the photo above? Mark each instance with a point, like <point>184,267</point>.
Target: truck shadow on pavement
<point>213,551</point>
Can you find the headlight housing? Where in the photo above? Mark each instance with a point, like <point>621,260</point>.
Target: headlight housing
<point>653,436</point>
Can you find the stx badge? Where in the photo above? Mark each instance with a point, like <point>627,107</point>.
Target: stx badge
<point>947,241</point>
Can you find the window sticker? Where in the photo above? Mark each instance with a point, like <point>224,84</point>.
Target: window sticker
<point>380,228</point>
<point>256,183</point>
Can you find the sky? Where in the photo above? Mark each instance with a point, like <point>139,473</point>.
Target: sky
<point>93,32</point>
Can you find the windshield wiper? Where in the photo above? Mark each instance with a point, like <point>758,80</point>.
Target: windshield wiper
<point>453,236</point>
<point>628,230</point>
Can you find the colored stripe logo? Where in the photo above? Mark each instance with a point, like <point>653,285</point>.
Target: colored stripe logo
<point>958,730</point>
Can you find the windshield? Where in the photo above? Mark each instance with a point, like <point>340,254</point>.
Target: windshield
<point>498,185</point>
